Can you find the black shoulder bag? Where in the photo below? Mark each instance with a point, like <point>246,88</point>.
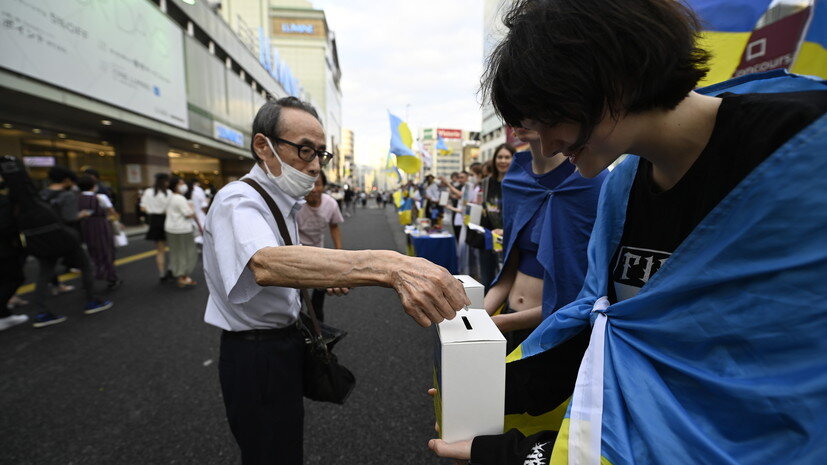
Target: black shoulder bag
<point>325,380</point>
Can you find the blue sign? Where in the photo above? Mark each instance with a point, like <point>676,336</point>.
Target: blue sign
<point>293,28</point>
<point>227,134</point>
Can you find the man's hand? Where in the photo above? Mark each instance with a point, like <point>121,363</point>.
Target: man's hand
<point>338,290</point>
<point>429,294</point>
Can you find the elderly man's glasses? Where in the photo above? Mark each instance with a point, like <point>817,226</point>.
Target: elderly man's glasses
<point>308,153</point>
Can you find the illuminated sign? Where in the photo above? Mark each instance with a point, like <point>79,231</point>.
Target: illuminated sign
<point>293,28</point>
<point>226,134</point>
<point>39,162</point>
<point>449,133</point>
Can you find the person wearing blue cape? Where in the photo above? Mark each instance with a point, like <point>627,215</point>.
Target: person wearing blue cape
<point>704,292</point>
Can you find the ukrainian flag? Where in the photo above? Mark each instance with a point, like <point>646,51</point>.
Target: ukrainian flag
<point>401,143</point>
<point>729,24</point>
<point>441,148</point>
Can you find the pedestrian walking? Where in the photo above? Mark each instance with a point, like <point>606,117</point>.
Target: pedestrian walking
<point>319,213</point>
<point>154,203</point>
<point>12,259</point>
<point>179,231</point>
<point>253,275</point>
<point>96,230</point>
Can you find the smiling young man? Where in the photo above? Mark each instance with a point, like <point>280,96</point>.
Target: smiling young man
<point>704,292</point>
<point>253,279</point>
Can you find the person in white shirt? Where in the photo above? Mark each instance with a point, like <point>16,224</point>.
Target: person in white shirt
<point>154,203</point>
<point>179,231</point>
<point>253,279</point>
<point>200,202</point>
<point>319,213</point>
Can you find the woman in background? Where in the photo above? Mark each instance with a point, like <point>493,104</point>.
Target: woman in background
<point>179,231</point>
<point>154,203</point>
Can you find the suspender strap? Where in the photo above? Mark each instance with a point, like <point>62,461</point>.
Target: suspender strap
<point>274,210</point>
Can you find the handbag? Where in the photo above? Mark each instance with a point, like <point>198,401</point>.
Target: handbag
<point>325,379</point>
<point>119,236</point>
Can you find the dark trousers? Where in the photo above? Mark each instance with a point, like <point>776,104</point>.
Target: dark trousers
<point>46,272</point>
<point>261,380</point>
<point>317,299</point>
<point>489,265</point>
<point>10,279</point>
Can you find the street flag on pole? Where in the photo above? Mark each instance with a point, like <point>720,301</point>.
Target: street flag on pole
<point>797,41</point>
<point>441,148</point>
<point>401,143</point>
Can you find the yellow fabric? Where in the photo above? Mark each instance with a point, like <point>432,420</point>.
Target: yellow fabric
<point>529,424</point>
<point>397,198</point>
<point>727,49</point>
<point>405,217</point>
<point>410,164</point>
<point>560,453</point>
<point>499,309</point>
<point>517,354</point>
<point>497,240</point>
<point>811,60</point>
<point>437,404</point>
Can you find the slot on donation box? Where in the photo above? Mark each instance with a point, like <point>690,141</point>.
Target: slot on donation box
<point>469,375</point>
<point>473,289</point>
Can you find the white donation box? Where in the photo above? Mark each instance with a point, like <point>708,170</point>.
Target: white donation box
<point>473,289</point>
<point>469,375</point>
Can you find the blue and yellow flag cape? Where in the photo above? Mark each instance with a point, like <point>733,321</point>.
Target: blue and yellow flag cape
<point>721,357</point>
<point>534,393</point>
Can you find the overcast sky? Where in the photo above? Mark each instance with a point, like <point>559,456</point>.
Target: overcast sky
<point>394,53</point>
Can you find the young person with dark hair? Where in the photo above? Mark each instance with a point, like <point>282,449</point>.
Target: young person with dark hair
<point>97,231</point>
<point>154,203</point>
<point>705,281</point>
<point>492,207</point>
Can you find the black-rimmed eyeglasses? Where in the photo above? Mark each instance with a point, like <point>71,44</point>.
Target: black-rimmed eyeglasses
<point>308,153</point>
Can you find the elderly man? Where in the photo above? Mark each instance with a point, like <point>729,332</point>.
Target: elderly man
<point>253,279</point>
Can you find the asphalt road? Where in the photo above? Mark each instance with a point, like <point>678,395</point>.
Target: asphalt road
<point>138,384</point>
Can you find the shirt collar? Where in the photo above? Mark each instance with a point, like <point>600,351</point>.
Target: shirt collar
<point>285,202</point>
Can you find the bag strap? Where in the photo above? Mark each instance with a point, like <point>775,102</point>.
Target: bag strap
<point>274,210</point>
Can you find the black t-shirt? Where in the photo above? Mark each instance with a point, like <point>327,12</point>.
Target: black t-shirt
<point>748,129</point>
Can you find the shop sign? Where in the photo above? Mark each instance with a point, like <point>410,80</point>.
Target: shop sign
<point>39,162</point>
<point>774,46</point>
<point>133,173</point>
<point>293,28</point>
<point>227,134</point>
<point>449,133</point>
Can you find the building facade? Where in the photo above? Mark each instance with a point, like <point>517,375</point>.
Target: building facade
<point>166,87</point>
<point>346,160</point>
<point>493,131</point>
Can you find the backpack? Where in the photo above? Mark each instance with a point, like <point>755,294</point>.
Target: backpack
<point>42,232</point>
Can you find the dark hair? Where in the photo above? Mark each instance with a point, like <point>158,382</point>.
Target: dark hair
<point>59,174</point>
<point>173,183</point>
<point>161,183</point>
<point>92,172</point>
<point>494,169</point>
<point>86,183</point>
<point>266,121</point>
<point>574,60</point>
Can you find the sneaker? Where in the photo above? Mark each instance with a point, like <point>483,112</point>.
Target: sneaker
<point>12,320</point>
<point>47,319</point>
<point>95,306</point>
<point>62,289</point>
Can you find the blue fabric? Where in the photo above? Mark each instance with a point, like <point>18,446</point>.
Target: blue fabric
<point>722,356</point>
<point>439,250</point>
<point>567,214</point>
<point>729,15</point>
<point>528,244</point>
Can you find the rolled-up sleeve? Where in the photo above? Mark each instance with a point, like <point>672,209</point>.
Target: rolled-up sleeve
<point>239,228</point>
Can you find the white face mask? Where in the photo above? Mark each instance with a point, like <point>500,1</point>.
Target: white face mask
<point>183,188</point>
<point>292,181</point>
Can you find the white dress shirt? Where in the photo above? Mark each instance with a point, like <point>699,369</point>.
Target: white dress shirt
<point>238,225</point>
